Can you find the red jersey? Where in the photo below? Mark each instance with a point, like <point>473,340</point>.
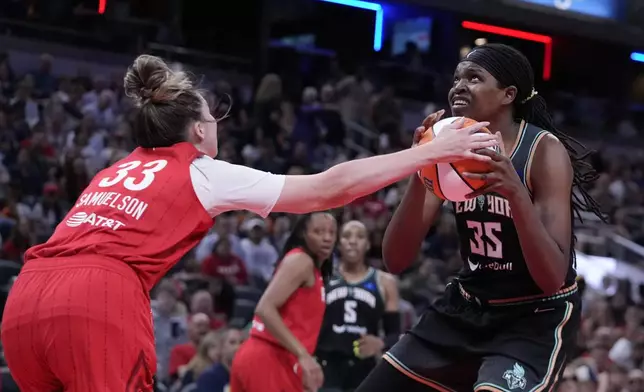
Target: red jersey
<point>142,211</point>
<point>302,313</point>
<point>230,267</point>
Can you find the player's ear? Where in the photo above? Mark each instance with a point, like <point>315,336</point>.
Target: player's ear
<point>509,95</point>
<point>198,129</point>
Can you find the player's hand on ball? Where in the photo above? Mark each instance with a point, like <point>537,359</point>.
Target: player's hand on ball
<point>428,122</point>
<point>368,346</point>
<point>456,142</point>
<point>502,177</point>
<point>312,373</point>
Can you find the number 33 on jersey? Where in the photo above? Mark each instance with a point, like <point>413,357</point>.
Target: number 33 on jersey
<point>132,175</point>
<point>132,183</point>
<point>142,210</point>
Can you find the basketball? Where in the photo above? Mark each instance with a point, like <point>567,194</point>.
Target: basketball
<point>445,180</point>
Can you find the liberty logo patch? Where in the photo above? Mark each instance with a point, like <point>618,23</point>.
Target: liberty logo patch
<point>481,201</point>
<point>515,377</point>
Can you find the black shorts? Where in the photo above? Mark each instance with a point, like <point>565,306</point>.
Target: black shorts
<point>460,345</point>
<point>342,373</point>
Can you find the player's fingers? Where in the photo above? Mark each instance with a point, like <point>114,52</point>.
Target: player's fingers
<point>433,118</point>
<point>485,151</point>
<point>477,157</point>
<point>479,146</point>
<point>474,128</point>
<point>458,124</point>
<point>318,378</point>
<point>501,145</point>
<point>480,191</point>
<point>439,114</point>
<point>418,134</point>
<point>497,157</point>
<point>429,120</point>
<point>477,176</point>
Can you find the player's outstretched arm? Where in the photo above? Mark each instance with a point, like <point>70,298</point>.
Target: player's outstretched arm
<point>348,181</point>
<point>413,217</point>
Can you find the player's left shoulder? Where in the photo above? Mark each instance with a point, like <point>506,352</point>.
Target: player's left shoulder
<point>551,164</point>
<point>551,150</point>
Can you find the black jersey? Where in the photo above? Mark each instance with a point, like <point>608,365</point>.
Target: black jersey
<point>493,263</point>
<point>352,309</point>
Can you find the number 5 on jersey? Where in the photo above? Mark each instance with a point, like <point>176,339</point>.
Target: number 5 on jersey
<point>350,314</point>
<point>139,180</point>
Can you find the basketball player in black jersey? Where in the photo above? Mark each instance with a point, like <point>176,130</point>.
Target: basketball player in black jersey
<point>361,301</point>
<point>508,322</point>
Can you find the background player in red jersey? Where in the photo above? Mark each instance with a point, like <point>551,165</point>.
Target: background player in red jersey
<point>278,354</point>
<point>78,317</point>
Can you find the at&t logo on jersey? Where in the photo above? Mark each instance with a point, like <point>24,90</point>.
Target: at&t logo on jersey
<point>92,219</point>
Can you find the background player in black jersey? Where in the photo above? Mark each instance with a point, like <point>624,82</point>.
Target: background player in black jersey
<point>509,320</point>
<point>361,302</point>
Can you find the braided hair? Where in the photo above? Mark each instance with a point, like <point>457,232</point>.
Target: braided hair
<point>511,68</point>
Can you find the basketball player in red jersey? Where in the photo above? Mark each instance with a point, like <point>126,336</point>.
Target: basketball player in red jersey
<point>278,354</point>
<point>78,317</point>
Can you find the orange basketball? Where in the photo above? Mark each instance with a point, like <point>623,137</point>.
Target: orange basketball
<point>445,180</point>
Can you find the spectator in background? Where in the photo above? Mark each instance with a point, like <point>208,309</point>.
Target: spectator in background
<point>169,316</point>
<point>217,377</point>
<point>329,117</point>
<point>44,82</point>
<point>268,159</point>
<point>49,211</point>
<point>225,226</point>
<point>223,264</point>
<point>7,82</point>
<point>181,354</point>
<point>28,174</point>
<point>269,104</point>
<point>259,254</point>
<point>102,110</point>
<point>24,104</point>
<point>207,355</point>
<point>202,302</point>
<point>386,109</point>
<point>280,231</point>
<point>18,242</point>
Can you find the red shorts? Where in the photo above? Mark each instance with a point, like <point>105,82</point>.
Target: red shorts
<point>260,366</point>
<point>79,325</point>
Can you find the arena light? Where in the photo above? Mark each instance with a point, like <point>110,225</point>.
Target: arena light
<point>366,5</point>
<point>101,6</point>
<point>637,56</point>
<point>524,35</point>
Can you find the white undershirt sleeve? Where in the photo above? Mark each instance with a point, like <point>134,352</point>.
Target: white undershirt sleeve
<point>221,186</point>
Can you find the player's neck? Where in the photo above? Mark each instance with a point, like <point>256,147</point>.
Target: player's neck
<point>353,270</point>
<point>508,127</point>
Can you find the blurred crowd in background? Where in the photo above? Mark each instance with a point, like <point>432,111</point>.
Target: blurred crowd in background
<point>58,131</point>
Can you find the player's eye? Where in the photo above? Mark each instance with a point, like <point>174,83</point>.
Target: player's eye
<point>475,78</point>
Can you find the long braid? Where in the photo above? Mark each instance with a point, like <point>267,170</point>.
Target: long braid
<point>535,111</point>
<point>511,68</point>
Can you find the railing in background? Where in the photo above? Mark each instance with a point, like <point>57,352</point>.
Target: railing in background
<point>599,239</point>
<point>200,58</point>
<point>358,136</point>
<point>123,35</point>
<point>624,249</point>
